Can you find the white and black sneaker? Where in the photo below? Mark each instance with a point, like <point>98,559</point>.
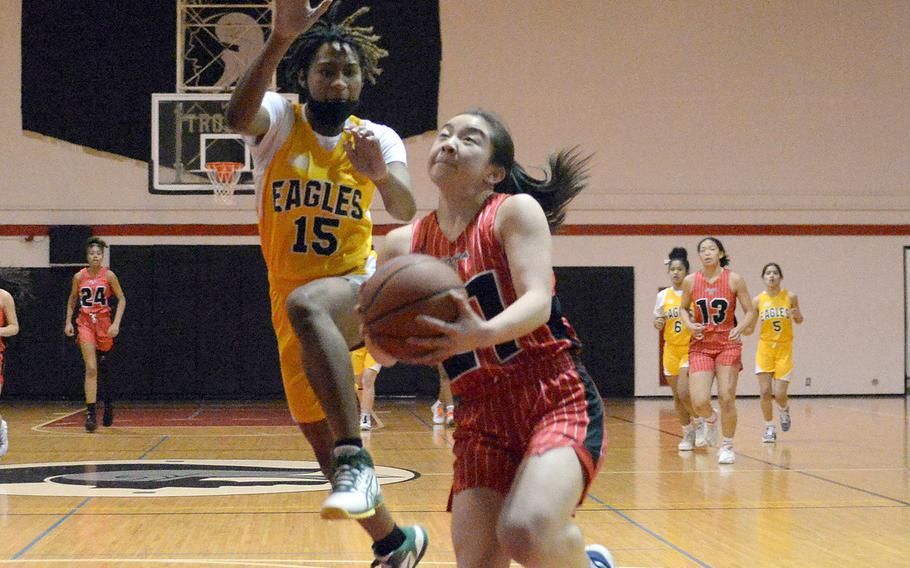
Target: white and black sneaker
<point>355,489</point>
<point>599,556</point>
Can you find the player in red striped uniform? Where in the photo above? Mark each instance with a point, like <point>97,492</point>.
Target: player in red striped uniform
<point>715,349</point>
<point>530,434</point>
<point>92,290</point>
<point>9,326</point>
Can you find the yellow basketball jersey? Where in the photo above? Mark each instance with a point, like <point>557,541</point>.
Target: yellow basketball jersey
<point>675,331</point>
<point>775,318</point>
<point>315,218</point>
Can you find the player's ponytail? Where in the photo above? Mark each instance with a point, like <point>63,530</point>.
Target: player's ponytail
<point>564,179</point>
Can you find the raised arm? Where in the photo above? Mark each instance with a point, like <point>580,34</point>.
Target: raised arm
<point>114,329</point>
<point>291,18</point>
<point>392,179</point>
<point>8,304</point>
<point>70,303</point>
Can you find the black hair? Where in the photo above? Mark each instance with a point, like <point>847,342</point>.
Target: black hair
<point>568,172</point>
<point>680,254</point>
<point>328,30</point>
<point>95,242</point>
<point>774,264</point>
<point>724,260</point>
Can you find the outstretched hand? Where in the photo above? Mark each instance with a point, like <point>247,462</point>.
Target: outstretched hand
<point>464,334</point>
<point>293,17</point>
<point>364,152</point>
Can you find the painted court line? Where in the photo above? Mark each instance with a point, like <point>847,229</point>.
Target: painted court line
<point>52,527</point>
<point>638,525</point>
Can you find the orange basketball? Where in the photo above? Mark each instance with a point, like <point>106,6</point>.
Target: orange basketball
<point>402,289</point>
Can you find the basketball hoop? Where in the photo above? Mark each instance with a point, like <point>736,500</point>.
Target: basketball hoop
<point>224,177</point>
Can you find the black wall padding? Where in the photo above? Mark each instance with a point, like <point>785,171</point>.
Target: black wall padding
<point>66,243</point>
<point>89,69</point>
<point>599,302</point>
<point>198,326</point>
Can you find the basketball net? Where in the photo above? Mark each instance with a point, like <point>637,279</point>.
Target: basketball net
<point>224,177</point>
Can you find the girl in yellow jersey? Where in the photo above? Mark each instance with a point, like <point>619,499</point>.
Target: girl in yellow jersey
<point>778,309</point>
<point>316,168</point>
<point>676,344</point>
<point>366,369</point>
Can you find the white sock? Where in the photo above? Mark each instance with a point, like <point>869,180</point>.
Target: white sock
<point>769,423</point>
<point>688,428</point>
<point>728,442</point>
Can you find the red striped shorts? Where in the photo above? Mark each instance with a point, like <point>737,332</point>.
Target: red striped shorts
<point>527,417</point>
<point>711,352</point>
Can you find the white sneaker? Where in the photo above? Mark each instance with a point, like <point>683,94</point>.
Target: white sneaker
<point>366,422</point>
<point>355,489</point>
<point>4,438</point>
<point>770,436</point>
<point>599,556</point>
<point>439,412</point>
<point>785,420</point>
<point>450,416</point>
<point>711,434</point>
<point>687,444</point>
<point>725,455</point>
<point>701,433</point>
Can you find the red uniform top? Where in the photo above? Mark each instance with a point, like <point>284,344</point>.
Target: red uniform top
<point>715,306</point>
<point>94,293</point>
<point>481,262</point>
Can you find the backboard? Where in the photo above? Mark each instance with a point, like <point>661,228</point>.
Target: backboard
<point>189,130</point>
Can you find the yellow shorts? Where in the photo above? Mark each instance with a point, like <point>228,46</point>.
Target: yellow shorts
<point>302,401</point>
<point>362,360</point>
<point>775,358</point>
<point>676,357</point>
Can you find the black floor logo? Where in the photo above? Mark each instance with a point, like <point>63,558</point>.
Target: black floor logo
<point>173,478</point>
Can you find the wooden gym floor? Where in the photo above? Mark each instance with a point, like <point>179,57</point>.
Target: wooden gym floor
<point>834,491</point>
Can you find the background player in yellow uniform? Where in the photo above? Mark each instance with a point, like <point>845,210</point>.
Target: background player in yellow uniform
<point>366,369</point>
<point>676,344</point>
<point>316,169</point>
<point>777,310</point>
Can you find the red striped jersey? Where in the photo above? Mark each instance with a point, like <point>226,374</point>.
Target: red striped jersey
<point>94,295</point>
<point>714,304</point>
<point>480,260</point>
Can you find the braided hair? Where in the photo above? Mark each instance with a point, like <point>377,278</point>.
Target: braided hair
<point>328,29</point>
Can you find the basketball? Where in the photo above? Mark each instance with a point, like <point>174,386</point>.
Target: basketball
<point>402,289</point>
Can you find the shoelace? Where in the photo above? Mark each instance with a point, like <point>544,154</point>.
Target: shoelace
<point>344,478</point>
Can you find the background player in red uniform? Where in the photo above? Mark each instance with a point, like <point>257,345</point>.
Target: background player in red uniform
<point>9,326</point>
<point>716,348</point>
<point>91,291</point>
<point>530,433</point>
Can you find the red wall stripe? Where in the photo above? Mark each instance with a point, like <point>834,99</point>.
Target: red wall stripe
<point>150,230</point>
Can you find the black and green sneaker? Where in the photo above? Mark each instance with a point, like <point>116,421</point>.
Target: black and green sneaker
<point>407,555</point>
